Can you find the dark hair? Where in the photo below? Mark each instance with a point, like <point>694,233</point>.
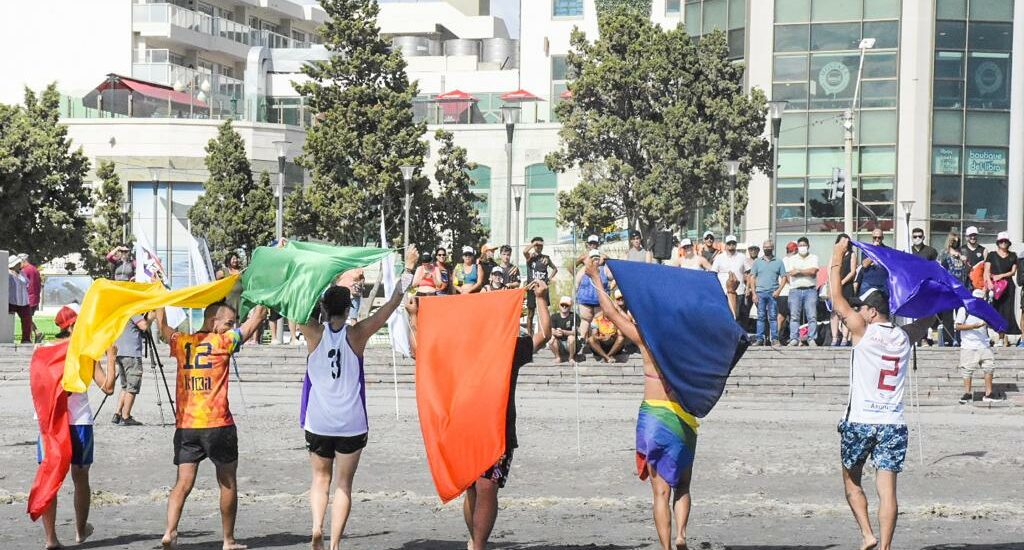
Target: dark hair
<point>840,237</point>
<point>880,301</point>
<point>505,248</point>
<point>64,333</point>
<point>336,301</point>
<point>803,240</point>
<point>917,230</point>
<point>441,249</point>
<point>536,240</point>
<point>426,258</point>
<point>211,310</point>
<point>227,259</point>
<point>635,234</point>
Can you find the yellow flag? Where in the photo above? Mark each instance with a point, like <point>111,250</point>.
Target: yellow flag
<point>106,310</point>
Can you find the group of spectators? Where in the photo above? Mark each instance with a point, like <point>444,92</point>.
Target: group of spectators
<point>24,287</point>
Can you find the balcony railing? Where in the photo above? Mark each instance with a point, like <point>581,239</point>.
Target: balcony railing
<point>216,26</point>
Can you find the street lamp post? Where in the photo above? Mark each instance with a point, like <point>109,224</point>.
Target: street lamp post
<point>126,208</point>
<point>775,110</point>
<point>510,115</point>
<point>204,91</point>
<point>517,191</point>
<point>282,156</point>
<point>154,176</point>
<point>407,171</point>
<point>732,167</point>
<point>907,207</point>
<point>848,126</point>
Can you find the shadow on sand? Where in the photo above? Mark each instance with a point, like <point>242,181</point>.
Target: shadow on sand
<point>973,546</point>
<point>461,545</point>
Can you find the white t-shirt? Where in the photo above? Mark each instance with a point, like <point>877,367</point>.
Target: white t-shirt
<point>79,411</point>
<point>337,391</point>
<point>796,261</point>
<point>736,264</point>
<point>878,370</point>
<point>976,338</point>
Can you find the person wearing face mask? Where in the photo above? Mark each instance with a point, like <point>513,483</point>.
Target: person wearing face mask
<point>972,252</point>
<point>919,249</point>
<point>767,276</point>
<point>955,263</point>
<point>1000,269</point>
<point>803,293</point>
<point>873,275</point>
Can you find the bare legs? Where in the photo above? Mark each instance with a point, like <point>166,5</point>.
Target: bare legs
<point>125,402</point>
<point>319,496</point>
<point>176,503</point>
<point>663,511</point>
<point>342,466</point>
<point>49,526</point>
<point>480,509</point>
<point>888,508</point>
<point>83,497</point>
<point>228,502</point>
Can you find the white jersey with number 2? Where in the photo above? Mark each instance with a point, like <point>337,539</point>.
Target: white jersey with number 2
<point>337,389</point>
<point>878,369</point>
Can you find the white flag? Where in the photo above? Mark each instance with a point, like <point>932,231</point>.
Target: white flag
<point>398,323</point>
<point>147,266</point>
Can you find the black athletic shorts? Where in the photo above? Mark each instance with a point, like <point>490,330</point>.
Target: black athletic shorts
<point>531,299</point>
<point>326,446</point>
<point>192,445</point>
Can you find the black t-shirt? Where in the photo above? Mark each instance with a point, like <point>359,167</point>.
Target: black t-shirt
<point>487,266</point>
<point>522,356</point>
<point>973,256</point>
<point>926,252</point>
<point>569,323</point>
<point>537,268</point>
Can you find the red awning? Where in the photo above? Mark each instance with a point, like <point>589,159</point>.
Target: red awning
<point>455,96</point>
<point>567,94</point>
<point>519,95</point>
<point>150,89</point>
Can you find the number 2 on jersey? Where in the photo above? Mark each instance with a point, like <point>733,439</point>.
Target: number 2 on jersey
<point>203,351</point>
<point>884,373</point>
<point>335,357</point>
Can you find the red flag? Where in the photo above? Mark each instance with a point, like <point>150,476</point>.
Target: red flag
<point>463,374</point>
<point>51,403</point>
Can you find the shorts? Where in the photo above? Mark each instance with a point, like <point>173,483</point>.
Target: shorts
<point>274,316</point>
<point>531,299</point>
<point>606,345</point>
<point>972,360</point>
<point>327,445</point>
<point>82,445</point>
<point>130,369</point>
<point>782,305</point>
<point>886,443</point>
<point>500,471</point>
<point>563,345</point>
<point>192,445</point>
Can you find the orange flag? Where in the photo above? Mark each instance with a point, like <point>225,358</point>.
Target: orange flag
<point>464,351</point>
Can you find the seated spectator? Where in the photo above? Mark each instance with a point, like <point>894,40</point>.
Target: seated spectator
<point>605,339</point>
<point>428,279</point>
<point>688,259</point>
<point>564,324</point>
<point>586,294</point>
<point>496,280</point>
<point>468,278</point>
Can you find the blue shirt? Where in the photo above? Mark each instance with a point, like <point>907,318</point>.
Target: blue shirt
<point>767,273</point>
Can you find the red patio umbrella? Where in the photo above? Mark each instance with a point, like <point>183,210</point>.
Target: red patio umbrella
<point>519,96</point>
<point>454,104</point>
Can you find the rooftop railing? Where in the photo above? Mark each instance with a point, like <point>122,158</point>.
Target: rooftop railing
<point>216,26</point>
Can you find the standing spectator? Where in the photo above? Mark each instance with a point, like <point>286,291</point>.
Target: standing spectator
<point>232,266</point>
<point>605,339</point>
<point>586,293</point>
<point>1000,269</point>
<point>803,293</point>
<point>637,252</point>
<point>975,352</point>
<point>709,248</point>
<point>355,281</point>
<point>847,272</point>
<point>593,243</point>
<point>564,327</point>
<point>919,249</point>
<point>730,266</point>
<point>487,262</point>
<point>512,276</point>
<point>17,303</point>
<point>539,267</point>
<point>953,260</point>
<point>467,274</point>
<point>442,263</point>
<point>767,276</point>
<point>873,275</point>
<point>124,265</point>
<point>35,288</point>
<point>972,252</point>
<point>128,356</point>
<point>688,259</point>
<point>427,280</point>
<point>782,304</point>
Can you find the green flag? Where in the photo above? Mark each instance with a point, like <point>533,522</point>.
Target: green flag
<point>290,280</point>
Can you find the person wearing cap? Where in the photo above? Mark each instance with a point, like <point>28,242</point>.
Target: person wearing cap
<point>427,280</point>
<point>17,297</point>
<point>708,248</point>
<point>81,434</point>
<point>35,289</point>
<point>606,340</point>
<point>496,281</point>
<point>586,294</point>
<point>975,351</point>
<point>593,243</point>
<point>973,252</point>
<point>512,277</point>
<point>487,262</point>
<point>730,266</point>
<point>467,276</point>
<point>1000,271</point>
<point>767,276</point>
<point>802,271</point>
<point>637,252</point>
<point>539,267</point>
<point>873,423</point>
<point>334,413</point>
<point>564,328</point>
<point>688,259</point>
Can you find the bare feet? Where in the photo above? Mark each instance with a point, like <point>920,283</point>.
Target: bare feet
<point>469,545</point>
<point>81,536</point>
<point>170,541</point>
<point>232,545</point>
<point>55,545</point>
<point>680,543</point>
<point>869,542</point>
<point>318,542</point>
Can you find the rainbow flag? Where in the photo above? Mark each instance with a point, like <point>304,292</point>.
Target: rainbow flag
<point>666,439</point>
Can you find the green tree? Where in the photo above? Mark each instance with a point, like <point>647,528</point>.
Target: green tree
<point>107,226</point>
<point>233,212</point>
<point>43,193</point>
<point>456,216</point>
<point>365,132</point>
<point>652,119</point>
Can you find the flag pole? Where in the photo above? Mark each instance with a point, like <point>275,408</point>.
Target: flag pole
<point>572,360</point>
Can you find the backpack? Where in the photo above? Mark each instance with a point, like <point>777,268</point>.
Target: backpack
<point>978,276</point>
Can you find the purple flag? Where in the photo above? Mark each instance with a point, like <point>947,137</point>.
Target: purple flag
<point>919,288</point>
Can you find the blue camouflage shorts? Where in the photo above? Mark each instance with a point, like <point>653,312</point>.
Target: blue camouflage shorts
<point>886,443</point>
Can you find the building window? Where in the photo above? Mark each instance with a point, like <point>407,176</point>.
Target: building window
<point>482,187</point>
<point>672,7</point>
<point>298,36</point>
<point>541,202</point>
<point>705,16</point>
<point>170,236</point>
<point>567,8</point>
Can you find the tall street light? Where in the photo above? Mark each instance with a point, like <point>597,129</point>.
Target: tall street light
<point>154,176</point>
<point>775,110</point>
<point>518,189</point>
<point>848,125</point>
<point>282,156</point>
<point>510,115</point>
<point>732,167</point>
<point>126,209</point>
<point>907,207</point>
<point>407,171</point>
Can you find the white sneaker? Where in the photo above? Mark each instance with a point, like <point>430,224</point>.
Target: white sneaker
<point>793,343</point>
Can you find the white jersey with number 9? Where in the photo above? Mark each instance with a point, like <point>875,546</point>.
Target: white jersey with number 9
<point>878,369</point>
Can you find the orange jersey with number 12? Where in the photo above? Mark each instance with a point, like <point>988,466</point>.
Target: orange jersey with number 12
<point>203,366</point>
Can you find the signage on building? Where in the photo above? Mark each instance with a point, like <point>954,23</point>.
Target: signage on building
<point>946,160</point>
<point>985,162</point>
<point>834,77</point>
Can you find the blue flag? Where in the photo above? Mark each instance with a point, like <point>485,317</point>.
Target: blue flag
<point>686,324</point>
<point>920,288</point>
